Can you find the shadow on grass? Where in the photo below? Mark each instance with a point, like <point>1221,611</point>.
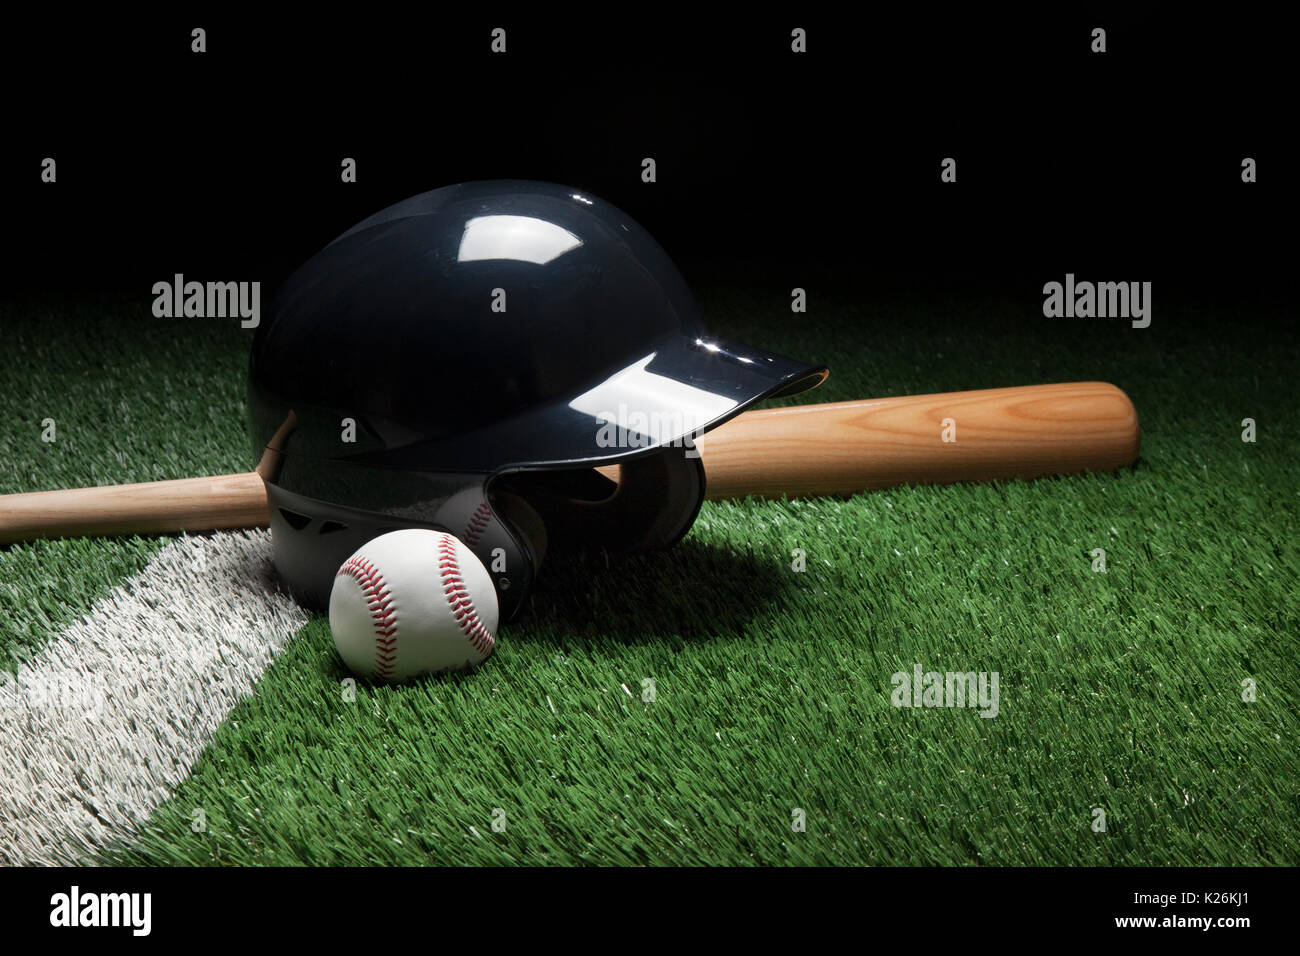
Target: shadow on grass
<point>690,592</point>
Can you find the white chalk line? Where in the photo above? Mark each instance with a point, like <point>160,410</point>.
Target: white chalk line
<point>102,725</point>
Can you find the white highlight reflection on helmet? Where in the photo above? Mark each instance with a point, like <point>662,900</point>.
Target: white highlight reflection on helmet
<point>524,238</point>
<point>659,408</point>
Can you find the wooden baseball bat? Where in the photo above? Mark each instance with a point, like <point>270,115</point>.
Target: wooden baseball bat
<point>827,449</point>
<point>985,435</point>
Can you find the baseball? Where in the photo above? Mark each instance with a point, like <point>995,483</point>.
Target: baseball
<point>413,602</point>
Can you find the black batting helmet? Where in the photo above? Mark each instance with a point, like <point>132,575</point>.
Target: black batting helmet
<point>465,360</point>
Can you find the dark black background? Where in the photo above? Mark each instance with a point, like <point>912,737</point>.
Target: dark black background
<point>771,165</point>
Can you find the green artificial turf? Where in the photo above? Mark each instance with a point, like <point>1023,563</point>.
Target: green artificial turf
<point>1120,691</point>
<point>133,398</point>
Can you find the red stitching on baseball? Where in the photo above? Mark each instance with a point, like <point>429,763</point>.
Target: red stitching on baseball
<point>458,597</point>
<point>382,613</point>
<point>478,523</point>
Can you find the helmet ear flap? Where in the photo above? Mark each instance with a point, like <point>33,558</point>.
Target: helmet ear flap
<point>658,498</point>
<point>651,505</point>
<point>524,519</point>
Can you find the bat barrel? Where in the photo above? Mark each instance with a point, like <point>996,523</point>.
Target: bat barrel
<point>984,435</point>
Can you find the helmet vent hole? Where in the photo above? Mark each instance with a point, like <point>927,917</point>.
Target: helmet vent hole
<point>296,521</point>
<point>329,527</point>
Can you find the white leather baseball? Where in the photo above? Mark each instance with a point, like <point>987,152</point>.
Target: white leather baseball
<point>413,602</point>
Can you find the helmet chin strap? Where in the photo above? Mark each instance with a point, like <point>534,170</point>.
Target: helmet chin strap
<point>652,505</point>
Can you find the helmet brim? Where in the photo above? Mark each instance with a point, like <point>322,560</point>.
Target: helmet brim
<point>681,389</point>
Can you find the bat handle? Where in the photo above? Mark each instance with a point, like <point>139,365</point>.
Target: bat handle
<point>187,504</point>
